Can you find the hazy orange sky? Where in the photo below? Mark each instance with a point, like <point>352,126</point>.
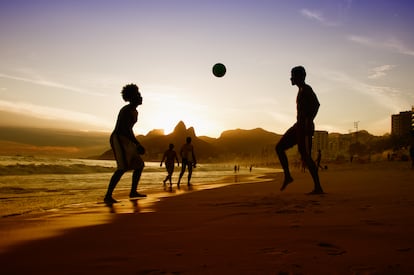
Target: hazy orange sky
<point>63,63</point>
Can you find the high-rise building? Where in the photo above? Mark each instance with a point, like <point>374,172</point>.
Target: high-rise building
<point>412,119</point>
<point>320,142</point>
<point>402,124</point>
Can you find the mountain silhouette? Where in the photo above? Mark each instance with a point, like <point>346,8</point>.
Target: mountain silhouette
<point>232,144</point>
<point>238,146</point>
<point>51,142</point>
<point>156,144</point>
<point>247,141</point>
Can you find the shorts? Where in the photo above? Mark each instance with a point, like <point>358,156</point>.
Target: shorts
<point>125,153</point>
<point>297,136</point>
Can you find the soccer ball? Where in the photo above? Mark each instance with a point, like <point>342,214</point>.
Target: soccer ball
<point>219,70</point>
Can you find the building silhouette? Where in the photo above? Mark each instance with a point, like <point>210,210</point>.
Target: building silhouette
<point>320,142</point>
<point>412,119</point>
<point>402,124</point>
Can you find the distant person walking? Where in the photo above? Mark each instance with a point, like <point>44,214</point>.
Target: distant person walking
<point>301,132</point>
<point>318,159</point>
<point>169,157</point>
<point>187,159</point>
<point>125,146</point>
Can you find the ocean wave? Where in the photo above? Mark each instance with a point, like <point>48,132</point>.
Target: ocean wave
<point>31,169</point>
<point>41,169</point>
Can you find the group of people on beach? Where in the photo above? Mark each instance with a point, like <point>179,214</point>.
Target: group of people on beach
<point>127,149</point>
<point>188,159</point>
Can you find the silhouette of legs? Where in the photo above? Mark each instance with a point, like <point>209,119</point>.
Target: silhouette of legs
<point>313,169</point>
<point>184,165</point>
<point>116,177</point>
<point>305,149</point>
<point>168,178</point>
<point>170,171</point>
<point>190,172</point>
<point>287,141</point>
<point>135,180</point>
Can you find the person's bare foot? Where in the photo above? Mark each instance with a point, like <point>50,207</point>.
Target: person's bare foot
<point>109,200</point>
<point>286,183</point>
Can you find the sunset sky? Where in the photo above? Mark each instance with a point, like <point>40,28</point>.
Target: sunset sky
<point>63,63</point>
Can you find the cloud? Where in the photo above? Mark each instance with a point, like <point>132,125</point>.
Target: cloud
<point>393,45</point>
<point>48,83</point>
<point>361,40</point>
<point>380,71</point>
<point>399,47</point>
<point>317,16</point>
<point>52,114</point>
<point>314,15</point>
<point>389,98</point>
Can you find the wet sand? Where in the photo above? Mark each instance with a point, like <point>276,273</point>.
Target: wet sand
<point>364,224</point>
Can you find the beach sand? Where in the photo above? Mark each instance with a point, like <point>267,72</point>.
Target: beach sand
<point>364,224</point>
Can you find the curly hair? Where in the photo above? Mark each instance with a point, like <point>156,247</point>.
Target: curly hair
<point>130,91</point>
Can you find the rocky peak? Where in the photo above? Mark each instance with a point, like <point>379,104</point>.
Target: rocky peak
<point>180,129</point>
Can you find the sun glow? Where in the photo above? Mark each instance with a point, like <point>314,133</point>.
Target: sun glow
<point>164,110</point>
<point>168,121</point>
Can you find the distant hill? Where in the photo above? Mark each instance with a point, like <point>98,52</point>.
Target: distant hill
<point>155,144</point>
<point>238,146</point>
<point>231,145</point>
<point>51,142</point>
<point>248,141</point>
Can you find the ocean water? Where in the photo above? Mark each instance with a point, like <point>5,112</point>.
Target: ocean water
<point>39,184</point>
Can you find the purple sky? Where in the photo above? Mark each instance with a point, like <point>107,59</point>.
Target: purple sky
<point>65,62</point>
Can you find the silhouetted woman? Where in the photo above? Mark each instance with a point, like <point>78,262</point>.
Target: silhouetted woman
<point>124,144</point>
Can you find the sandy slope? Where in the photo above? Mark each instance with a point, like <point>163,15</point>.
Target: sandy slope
<point>363,225</point>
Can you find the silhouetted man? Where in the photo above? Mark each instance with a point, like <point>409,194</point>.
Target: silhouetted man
<point>301,132</point>
<point>187,159</point>
<point>169,157</point>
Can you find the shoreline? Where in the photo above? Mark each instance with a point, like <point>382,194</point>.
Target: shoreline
<point>364,224</point>
<point>18,229</point>
<point>51,190</point>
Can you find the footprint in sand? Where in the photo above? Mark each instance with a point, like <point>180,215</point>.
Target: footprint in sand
<point>372,222</point>
<point>300,208</point>
<point>404,249</point>
<point>292,209</point>
<point>295,224</point>
<point>362,269</point>
<point>332,249</point>
<point>313,202</point>
<point>366,207</point>
<point>275,251</point>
